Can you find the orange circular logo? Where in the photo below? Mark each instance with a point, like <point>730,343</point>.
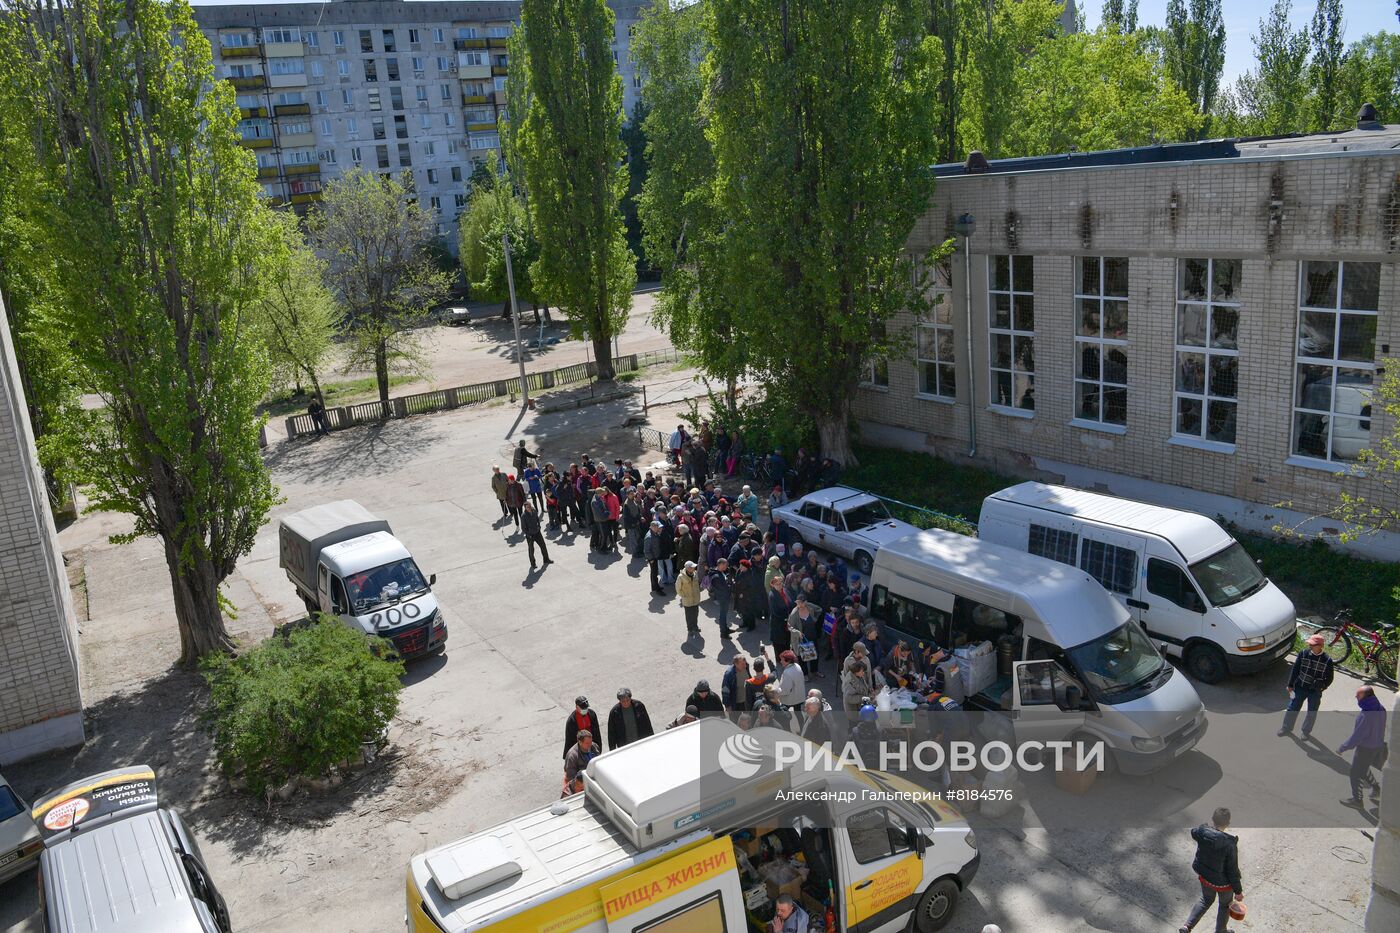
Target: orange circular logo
<point>66,814</point>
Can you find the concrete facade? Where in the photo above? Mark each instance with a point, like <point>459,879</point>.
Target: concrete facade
<point>386,85</point>
<point>41,703</point>
<point>1276,218</point>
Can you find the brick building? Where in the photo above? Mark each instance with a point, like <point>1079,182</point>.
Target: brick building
<point>41,704</point>
<point>1167,322</point>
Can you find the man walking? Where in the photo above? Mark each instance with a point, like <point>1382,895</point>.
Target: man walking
<point>1217,867</point>
<point>628,721</point>
<point>651,551</point>
<point>498,486</point>
<point>522,458</point>
<point>1312,674</point>
<point>530,525</point>
<point>515,498</point>
<point>1368,738</point>
<point>688,589</point>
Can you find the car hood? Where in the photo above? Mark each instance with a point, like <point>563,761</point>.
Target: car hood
<point>891,529</point>
<point>17,831</point>
<point>1266,612</point>
<point>390,619</point>
<point>1164,710</point>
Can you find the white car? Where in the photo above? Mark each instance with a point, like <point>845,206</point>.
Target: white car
<point>455,316</point>
<point>847,522</point>
<point>19,837</point>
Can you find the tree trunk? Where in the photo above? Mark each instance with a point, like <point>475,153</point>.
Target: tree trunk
<point>197,613</point>
<point>535,306</point>
<point>731,392</point>
<point>602,352</point>
<point>505,310</point>
<point>381,370</point>
<point>834,434</point>
<point>547,318</point>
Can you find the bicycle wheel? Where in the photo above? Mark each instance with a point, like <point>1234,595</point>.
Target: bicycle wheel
<point>1336,643</point>
<point>1385,659</point>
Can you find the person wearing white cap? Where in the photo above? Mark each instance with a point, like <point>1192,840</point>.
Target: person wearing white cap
<point>1312,673</point>
<point>688,590</point>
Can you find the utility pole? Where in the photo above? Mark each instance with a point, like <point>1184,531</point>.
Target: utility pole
<point>515,319</point>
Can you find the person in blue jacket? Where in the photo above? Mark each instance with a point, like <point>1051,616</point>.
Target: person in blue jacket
<point>1367,738</point>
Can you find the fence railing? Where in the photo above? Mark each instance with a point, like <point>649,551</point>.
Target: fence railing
<point>422,403</point>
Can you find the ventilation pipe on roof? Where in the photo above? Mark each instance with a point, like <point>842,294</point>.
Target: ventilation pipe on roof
<point>976,163</point>
<point>1366,119</point>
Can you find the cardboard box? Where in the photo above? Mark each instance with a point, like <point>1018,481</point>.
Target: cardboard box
<point>749,846</point>
<point>1076,782</point>
<point>815,908</point>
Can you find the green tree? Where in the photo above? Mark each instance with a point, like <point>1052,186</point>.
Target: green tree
<point>822,139</point>
<point>1121,16</point>
<point>1097,90</point>
<point>491,214</point>
<point>634,143</point>
<point>570,147</point>
<point>1271,98</point>
<point>1325,32</point>
<point>296,316</point>
<point>148,207</point>
<point>1193,47</point>
<point>990,61</point>
<point>1368,75</point>
<point>376,238</point>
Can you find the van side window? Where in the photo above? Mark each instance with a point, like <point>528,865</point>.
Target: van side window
<point>879,603</point>
<point>1170,582</point>
<point>974,622</point>
<point>923,623</point>
<point>877,834</point>
<point>1038,650</point>
<point>338,600</point>
<point>1053,543</point>
<point>1114,567</point>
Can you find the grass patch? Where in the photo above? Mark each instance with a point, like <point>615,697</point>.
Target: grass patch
<point>336,394</point>
<point>1320,579</point>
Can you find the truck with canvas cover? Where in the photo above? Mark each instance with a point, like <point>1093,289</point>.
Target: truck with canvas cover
<point>347,563</point>
<point>706,828</point>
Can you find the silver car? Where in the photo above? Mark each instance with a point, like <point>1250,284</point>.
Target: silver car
<point>846,522</point>
<point>20,844</point>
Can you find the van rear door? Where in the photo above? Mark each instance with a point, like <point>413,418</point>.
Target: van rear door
<point>697,891</point>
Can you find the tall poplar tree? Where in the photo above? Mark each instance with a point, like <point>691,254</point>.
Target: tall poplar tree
<point>148,207</point>
<point>1325,33</point>
<point>1272,96</point>
<point>569,143</point>
<point>1193,46</point>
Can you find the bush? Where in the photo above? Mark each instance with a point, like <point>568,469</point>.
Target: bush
<point>298,704</point>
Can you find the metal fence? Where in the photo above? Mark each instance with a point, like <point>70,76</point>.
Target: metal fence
<point>348,416</point>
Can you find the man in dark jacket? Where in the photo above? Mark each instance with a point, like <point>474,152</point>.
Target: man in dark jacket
<point>705,701</point>
<point>722,590</point>
<point>1368,738</point>
<point>582,718</point>
<point>628,721</point>
<point>530,525</point>
<point>1217,867</point>
<point>1312,673</point>
<point>515,498</point>
<point>521,458</point>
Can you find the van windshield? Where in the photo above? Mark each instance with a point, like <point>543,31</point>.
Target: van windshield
<point>384,585</point>
<point>1228,576</point>
<point>1117,663</point>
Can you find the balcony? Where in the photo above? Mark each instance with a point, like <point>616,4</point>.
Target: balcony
<point>296,140</point>
<point>306,197</point>
<point>500,70</point>
<point>276,200</point>
<point>284,49</point>
<point>476,98</point>
<point>481,127</point>
<point>497,43</point>
<point>252,83</point>
<point>248,112</point>
<point>291,110</point>
<point>462,45</point>
<point>256,142</point>
<point>267,171</point>
<point>308,169</point>
<point>239,51</point>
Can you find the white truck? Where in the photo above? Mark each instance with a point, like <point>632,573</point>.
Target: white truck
<point>347,563</point>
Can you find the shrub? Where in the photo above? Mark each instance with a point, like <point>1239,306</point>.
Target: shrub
<point>298,704</point>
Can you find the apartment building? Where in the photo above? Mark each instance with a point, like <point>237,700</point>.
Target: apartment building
<point>386,85</point>
<point>1201,324</point>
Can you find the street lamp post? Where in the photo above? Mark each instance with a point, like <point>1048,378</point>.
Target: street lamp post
<point>515,319</point>
<point>964,227</point>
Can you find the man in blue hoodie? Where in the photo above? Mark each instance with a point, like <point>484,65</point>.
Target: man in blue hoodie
<point>1367,737</point>
<point>1217,868</point>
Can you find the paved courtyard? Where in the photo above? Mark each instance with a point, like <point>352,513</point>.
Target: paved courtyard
<point>479,734</point>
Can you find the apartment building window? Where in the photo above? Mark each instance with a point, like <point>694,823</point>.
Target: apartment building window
<point>1101,340</point>
<point>500,32</point>
<point>405,156</point>
<point>313,40</point>
<point>934,346</point>
<point>486,141</point>
<point>435,202</point>
<point>477,88</point>
<point>444,64</point>
<point>355,156</point>
<point>396,97</point>
<point>425,121</point>
<point>318,70</point>
<point>389,42</point>
<point>456,169</point>
<point>249,100</point>
<point>876,372</point>
<point>417,63</point>
<point>338,39</point>
<point>1011,328</point>
<point>420,92</point>
<point>299,156</point>
<point>282,34</point>
<point>267,160</point>
<point>372,94</point>
<point>445,91</point>
<point>295,128</point>
<point>1336,359</point>
<point>342,68</point>
<point>237,40</point>
<point>499,84</point>
<point>459,199</point>
<point>429,148</point>
<point>323,100</point>
<point>479,116</point>
<point>474,59</point>
<point>352,127</point>
<point>438,36</point>
<point>303,185</point>
<point>413,36</point>
<point>500,61</point>
<point>614,54</point>
<point>285,98</point>
<point>241,71</point>
<point>400,127</point>
<point>381,154</point>
<point>451,143</point>
<point>371,70</point>
<point>432,176</point>
<point>1207,349</point>
<point>637,80</point>
<point>287,66</point>
<point>376,125</point>
<point>325,127</point>
<point>466,32</point>
<point>255,129</point>
<point>391,67</point>
<point>327,156</point>
<point>366,40</point>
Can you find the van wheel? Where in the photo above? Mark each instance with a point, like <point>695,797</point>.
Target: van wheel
<point>936,906</point>
<point>1206,663</point>
<point>864,563</point>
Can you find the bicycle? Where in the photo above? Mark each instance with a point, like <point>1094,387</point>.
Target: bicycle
<point>756,466</point>
<point>1378,648</point>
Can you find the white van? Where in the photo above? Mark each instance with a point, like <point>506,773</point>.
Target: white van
<point>1079,667</point>
<point>1189,584</point>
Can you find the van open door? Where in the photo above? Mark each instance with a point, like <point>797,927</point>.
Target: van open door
<point>1047,703</point>
<point>697,891</point>
<point>881,857</point>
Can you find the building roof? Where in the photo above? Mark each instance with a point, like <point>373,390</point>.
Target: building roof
<point>1372,138</point>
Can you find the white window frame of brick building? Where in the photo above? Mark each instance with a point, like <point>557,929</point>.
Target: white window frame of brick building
<point>1101,342</point>
<point>313,40</point>
<point>338,39</point>
<point>323,100</point>
<point>318,70</point>
<point>1334,369</point>
<point>342,68</point>
<point>934,343</point>
<point>1011,375</point>
<point>875,372</point>
<point>356,157</point>
<point>286,66</point>
<point>438,35</point>
<point>1204,346</point>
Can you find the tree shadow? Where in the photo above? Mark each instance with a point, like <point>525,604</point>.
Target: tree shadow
<point>376,449</point>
